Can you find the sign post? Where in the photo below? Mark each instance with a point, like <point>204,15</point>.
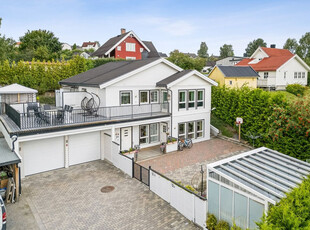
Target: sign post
<point>239,121</point>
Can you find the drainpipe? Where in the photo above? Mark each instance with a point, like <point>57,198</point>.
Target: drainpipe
<point>14,137</point>
<point>171,109</point>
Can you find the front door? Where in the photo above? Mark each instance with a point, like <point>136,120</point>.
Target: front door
<point>163,132</point>
<point>126,138</point>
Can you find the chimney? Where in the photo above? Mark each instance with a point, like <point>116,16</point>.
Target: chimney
<point>273,46</point>
<point>123,30</point>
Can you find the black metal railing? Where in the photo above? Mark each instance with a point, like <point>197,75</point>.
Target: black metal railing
<point>59,116</point>
<point>13,114</point>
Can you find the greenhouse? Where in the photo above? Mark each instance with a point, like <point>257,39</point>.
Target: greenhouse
<point>241,187</point>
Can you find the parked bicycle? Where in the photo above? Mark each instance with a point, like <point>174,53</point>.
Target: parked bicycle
<point>188,143</point>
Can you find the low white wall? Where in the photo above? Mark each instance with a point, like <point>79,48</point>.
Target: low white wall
<point>188,204</point>
<point>120,161</point>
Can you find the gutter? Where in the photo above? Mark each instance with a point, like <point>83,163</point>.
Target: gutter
<point>171,109</point>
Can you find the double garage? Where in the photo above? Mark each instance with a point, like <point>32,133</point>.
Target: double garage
<point>64,151</point>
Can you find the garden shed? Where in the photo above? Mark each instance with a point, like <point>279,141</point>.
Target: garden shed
<point>16,93</point>
<point>241,187</point>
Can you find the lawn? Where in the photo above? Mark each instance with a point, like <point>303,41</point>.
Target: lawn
<point>225,129</point>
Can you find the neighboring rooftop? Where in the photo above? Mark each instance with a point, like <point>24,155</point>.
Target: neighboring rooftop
<point>16,88</point>
<point>93,44</point>
<point>263,172</point>
<point>105,73</point>
<point>238,71</point>
<point>192,55</point>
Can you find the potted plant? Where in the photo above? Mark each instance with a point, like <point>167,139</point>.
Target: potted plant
<point>172,144</point>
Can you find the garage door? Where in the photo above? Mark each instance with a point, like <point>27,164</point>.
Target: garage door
<point>84,147</point>
<point>107,146</point>
<point>43,155</point>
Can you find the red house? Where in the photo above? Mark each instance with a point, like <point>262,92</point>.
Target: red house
<point>128,46</point>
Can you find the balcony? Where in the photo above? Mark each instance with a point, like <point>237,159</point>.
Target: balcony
<point>22,117</point>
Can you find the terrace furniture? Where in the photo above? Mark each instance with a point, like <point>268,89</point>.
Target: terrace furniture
<point>31,106</point>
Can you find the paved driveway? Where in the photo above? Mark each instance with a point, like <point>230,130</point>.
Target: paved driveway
<point>71,199</point>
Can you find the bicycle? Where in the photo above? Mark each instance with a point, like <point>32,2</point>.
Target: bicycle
<point>188,143</point>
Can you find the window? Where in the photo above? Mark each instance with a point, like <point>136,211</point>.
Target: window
<point>126,98</point>
<point>119,48</point>
<point>182,100</point>
<point>144,134</point>
<point>191,99</point>
<point>181,131</point>
<point>191,130</point>
<point>164,96</point>
<point>295,74</point>
<point>153,133</point>
<point>154,96</point>
<point>144,97</point>
<point>303,74</point>
<point>200,98</point>
<point>130,58</point>
<point>266,74</point>
<point>284,74</point>
<point>141,50</point>
<point>230,82</point>
<point>131,47</point>
<point>299,74</point>
<point>199,130</point>
<point>149,133</point>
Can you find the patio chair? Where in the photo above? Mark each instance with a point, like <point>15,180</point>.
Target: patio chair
<point>31,106</point>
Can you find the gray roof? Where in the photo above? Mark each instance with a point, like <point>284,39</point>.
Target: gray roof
<point>104,73</point>
<point>109,44</point>
<point>263,171</point>
<point>153,52</point>
<point>238,71</point>
<point>162,54</point>
<point>7,157</point>
<point>172,78</point>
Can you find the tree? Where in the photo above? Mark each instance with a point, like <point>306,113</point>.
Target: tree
<point>303,49</point>
<point>203,51</point>
<point>252,46</point>
<point>7,49</point>
<point>185,62</point>
<point>226,51</point>
<point>36,39</point>
<point>74,46</point>
<point>291,45</point>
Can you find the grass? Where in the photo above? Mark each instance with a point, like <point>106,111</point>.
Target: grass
<point>225,129</point>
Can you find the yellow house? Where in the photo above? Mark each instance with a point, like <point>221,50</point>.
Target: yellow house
<point>234,76</point>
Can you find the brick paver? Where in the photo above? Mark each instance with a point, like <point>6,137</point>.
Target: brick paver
<point>200,152</point>
<point>71,199</point>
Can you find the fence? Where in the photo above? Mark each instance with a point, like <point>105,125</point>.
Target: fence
<point>141,173</point>
<point>189,204</point>
<point>121,161</point>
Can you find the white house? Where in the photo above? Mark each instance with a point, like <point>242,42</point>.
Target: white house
<point>229,61</point>
<point>127,102</point>
<point>277,68</point>
<point>66,46</point>
<point>90,45</point>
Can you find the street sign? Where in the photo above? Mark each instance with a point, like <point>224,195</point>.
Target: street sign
<point>239,120</point>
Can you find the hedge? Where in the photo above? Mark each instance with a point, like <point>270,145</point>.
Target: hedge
<point>44,76</point>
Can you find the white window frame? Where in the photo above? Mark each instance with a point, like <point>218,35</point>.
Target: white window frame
<point>266,75</point>
<point>182,136</point>
<point>193,133</point>
<point>153,135</point>
<point>130,97</point>
<point>201,100</point>
<point>162,96</point>
<point>295,75</point>
<point>148,96</point>
<point>131,47</point>
<point>146,137</point>
<point>157,96</point>
<point>303,74</point>
<point>182,102</point>
<point>199,131</point>
<point>192,101</point>
<point>141,50</point>
<point>299,74</point>
<point>119,48</point>
<point>130,58</point>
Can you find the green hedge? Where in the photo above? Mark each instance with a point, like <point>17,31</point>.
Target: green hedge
<point>296,89</point>
<point>44,76</point>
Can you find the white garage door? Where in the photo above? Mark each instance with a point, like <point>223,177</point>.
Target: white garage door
<point>107,147</point>
<point>84,147</point>
<point>43,155</point>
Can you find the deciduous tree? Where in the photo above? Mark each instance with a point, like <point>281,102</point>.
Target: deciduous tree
<point>203,51</point>
<point>291,45</point>
<point>185,62</point>
<point>226,51</point>
<point>252,46</point>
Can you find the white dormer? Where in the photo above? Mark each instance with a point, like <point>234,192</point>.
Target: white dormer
<point>258,55</point>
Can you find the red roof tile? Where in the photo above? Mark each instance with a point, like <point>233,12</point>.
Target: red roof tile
<point>277,57</point>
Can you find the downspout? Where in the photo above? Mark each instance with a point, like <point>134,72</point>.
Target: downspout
<point>14,137</point>
<point>171,109</point>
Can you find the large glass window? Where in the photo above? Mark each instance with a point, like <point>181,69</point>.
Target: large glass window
<point>200,98</point>
<point>153,132</point>
<point>154,96</point>
<point>164,96</point>
<point>226,204</point>
<point>213,201</point>
<point>199,129</point>
<point>191,99</point>
<point>255,213</point>
<point>144,134</point>
<point>191,130</point>
<point>181,131</point>
<point>126,98</point>
<point>240,210</point>
<point>131,47</point>
<point>144,97</point>
<point>182,100</point>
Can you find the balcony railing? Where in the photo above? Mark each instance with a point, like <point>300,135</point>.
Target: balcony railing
<point>58,116</point>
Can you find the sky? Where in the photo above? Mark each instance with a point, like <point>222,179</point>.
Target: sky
<point>169,24</point>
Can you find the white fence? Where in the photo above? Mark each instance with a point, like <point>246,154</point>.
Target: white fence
<point>187,203</point>
<point>120,161</point>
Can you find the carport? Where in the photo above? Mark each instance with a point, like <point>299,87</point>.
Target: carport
<point>9,172</point>
<point>241,188</point>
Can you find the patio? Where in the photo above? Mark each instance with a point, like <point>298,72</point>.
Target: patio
<point>149,153</point>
